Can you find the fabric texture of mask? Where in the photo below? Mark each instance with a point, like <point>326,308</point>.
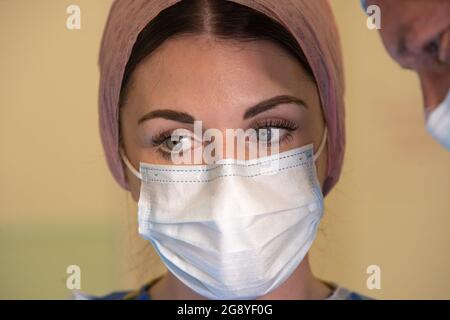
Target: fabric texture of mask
<point>438,122</point>
<point>232,229</point>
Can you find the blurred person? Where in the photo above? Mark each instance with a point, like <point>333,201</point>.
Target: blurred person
<point>416,34</point>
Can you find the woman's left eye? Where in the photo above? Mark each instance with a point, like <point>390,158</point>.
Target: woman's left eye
<point>274,131</point>
<point>271,135</point>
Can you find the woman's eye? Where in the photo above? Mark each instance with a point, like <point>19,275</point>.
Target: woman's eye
<point>176,144</point>
<point>270,135</point>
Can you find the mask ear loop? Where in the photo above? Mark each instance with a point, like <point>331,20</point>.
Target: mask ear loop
<point>129,165</point>
<point>322,144</point>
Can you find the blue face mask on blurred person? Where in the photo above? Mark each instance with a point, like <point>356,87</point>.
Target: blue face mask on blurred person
<point>438,122</point>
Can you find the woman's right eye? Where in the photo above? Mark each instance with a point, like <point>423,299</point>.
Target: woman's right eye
<point>172,142</point>
<point>176,144</point>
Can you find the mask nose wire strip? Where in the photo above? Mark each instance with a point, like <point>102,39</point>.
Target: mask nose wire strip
<point>139,176</point>
<point>129,165</point>
<point>322,144</point>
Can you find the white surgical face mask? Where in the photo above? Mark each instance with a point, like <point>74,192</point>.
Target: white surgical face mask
<point>234,229</point>
<point>438,122</point>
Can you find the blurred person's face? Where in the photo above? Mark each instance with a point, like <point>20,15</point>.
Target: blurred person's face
<point>416,34</point>
<point>217,82</point>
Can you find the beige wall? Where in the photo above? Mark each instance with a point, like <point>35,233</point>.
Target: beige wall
<point>60,206</point>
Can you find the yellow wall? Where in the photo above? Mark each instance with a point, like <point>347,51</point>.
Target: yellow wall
<point>60,206</point>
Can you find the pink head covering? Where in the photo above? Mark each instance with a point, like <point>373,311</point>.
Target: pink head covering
<point>310,22</point>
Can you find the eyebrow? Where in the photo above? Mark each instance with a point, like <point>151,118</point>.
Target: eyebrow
<point>261,107</point>
<point>169,115</point>
<point>271,104</point>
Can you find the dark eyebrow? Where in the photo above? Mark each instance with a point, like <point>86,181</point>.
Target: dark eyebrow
<point>169,115</point>
<point>251,112</point>
<point>272,103</point>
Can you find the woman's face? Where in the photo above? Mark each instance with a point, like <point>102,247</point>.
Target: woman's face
<point>218,82</point>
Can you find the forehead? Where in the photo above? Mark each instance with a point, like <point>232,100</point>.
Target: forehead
<point>202,68</point>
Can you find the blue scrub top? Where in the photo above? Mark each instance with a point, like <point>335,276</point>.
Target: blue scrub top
<point>339,293</point>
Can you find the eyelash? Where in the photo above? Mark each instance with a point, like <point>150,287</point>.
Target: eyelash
<point>159,139</point>
<point>290,126</point>
<point>277,124</point>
